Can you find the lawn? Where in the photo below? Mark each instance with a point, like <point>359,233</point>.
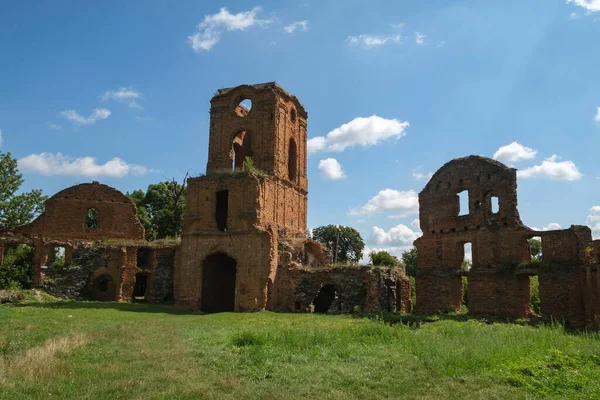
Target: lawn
<point>137,351</point>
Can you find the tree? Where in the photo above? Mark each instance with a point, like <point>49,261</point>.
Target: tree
<point>161,208</point>
<point>16,209</point>
<point>383,258</point>
<point>347,240</point>
<point>409,258</point>
<point>535,246</point>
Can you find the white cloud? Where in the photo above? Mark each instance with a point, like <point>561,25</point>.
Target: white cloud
<point>514,152</point>
<point>330,168</point>
<point>54,127</point>
<point>552,226</point>
<point>593,221</point>
<point>300,25</point>
<point>58,164</point>
<point>399,235</point>
<point>590,5</point>
<point>416,224</point>
<point>0,139</point>
<point>97,114</point>
<point>370,41</point>
<point>395,241</point>
<point>124,95</point>
<point>397,26</point>
<point>420,38</point>
<point>360,131</point>
<point>553,169</point>
<point>597,117</point>
<point>419,175</point>
<point>441,44</point>
<point>209,31</point>
<point>390,200</point>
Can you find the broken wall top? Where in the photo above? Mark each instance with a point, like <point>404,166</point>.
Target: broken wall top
<point>66,215</point>
<point>273,132</point>
<point>483,179</point>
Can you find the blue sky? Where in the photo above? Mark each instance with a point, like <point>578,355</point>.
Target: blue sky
<point>119,92</point>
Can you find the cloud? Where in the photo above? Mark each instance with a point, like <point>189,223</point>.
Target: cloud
<point>390,200</point>
<point>0,139</point>
<point>360,131</point>
<point>58,164</point>
<point>370,41</point>
<point>511,153</point>
<point>301,25</point>
<point>418,174</point>
<point>552,226</point>
<point>395,241</point>
<point>593,221</point>
<point>209,31</point>
<point>397,26</point>
<point>331,169</point>
<point>441,44</point>
<point>416,224</point>
<point>97,114</point>
<point>553,169</point>
<point>420,38</point>
<point>597,117</point>
<point>124,95</point>
<point>590,5</point>
<point>54,127</point>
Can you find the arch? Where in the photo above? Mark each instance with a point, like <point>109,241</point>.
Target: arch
<point>104,288</point>
<point>292,160</point>
<point>325,298</point>
<point>241,147</point>
<point>218,283</point>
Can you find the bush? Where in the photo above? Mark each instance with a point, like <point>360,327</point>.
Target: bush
<point>535,304</point>
<point>17,270</point>
<point>383,258</point>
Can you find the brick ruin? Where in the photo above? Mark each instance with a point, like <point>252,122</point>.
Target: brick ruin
<point>243,245</point>
<point>498,280</point>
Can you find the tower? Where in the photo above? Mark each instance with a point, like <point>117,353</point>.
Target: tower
<point>254,193</point>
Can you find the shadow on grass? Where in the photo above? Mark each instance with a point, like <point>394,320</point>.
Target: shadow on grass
<point>127,307</point>
<point>415,321</point>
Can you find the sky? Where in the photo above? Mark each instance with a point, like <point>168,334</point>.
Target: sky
<point>119,92</point>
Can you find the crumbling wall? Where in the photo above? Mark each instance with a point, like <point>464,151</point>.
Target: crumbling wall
<point>66,214</point>
<point>498,279</point>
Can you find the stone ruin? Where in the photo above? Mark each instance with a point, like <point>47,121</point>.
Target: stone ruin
<point>498,280</point>
<point>243,245</point>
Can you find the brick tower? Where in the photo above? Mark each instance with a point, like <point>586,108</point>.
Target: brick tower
<point>253,194</point>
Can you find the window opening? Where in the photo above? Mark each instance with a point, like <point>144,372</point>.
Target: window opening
<point>495,205</point>
<point>91,221</point>
<point>467,256</point>
<point>222,209</point>
<point>463,200</point>
<point>292,160</point>
<point>244,107</point>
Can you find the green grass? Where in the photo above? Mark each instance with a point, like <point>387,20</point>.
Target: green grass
<point>137,351</point>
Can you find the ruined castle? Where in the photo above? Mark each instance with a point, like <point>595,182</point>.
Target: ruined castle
<point>243,245</point>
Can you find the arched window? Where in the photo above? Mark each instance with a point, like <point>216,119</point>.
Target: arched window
<point>292,160</point>
<point>241,148</point>
<point>91,220</point>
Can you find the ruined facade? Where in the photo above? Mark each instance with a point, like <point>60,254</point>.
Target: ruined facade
<point>252,200</point>
<point>498,280</point>
<point>96,230</point>
<point>243,245</point>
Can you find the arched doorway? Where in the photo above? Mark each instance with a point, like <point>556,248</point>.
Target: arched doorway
<point>218,283</point>
<point>324,299</point>
<point>104,288</point>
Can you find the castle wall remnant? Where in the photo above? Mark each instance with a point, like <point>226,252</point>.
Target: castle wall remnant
<point>498,279</point>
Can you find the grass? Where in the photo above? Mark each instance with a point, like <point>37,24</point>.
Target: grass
<point>138,351</point>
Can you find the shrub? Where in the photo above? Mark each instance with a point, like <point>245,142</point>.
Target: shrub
<point>17,270</point>
<point>382,258</point>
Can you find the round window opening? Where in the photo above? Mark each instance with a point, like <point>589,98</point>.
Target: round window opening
<point>244,107</point>
<point>293,115</point>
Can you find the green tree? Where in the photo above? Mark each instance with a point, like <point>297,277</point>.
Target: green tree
<point>160,210</point>
<point>383,258</point>
<point>350,244</point>
<point>16,209</point>
<point>535,245</point>
<point>409,258</point>
<point>16,272</point>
